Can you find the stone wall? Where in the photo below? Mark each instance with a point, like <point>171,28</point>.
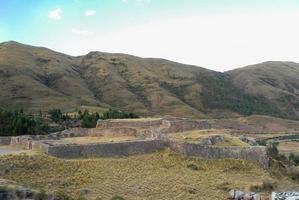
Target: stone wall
<point>136,123</point>
<point>24,141</point>
<point>40,145</point>
<point>153,136</point>
<point>5,140</point>
<point>106,149</point>
<point>181,125</point>
<point>112,132</point>
<point>254,153</point>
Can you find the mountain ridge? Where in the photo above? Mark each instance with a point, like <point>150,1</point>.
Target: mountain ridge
<point>38,78</point>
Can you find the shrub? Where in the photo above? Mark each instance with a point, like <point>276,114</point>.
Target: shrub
<point>193,167</point>
<point>294,158</point>
<point>272,150</point>
<point>116,197</point>
<point>3,189</point>
<point>261,143</point>
<point>267,186</point>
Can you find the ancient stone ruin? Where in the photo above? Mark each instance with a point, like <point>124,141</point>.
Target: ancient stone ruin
<point>134,136</point>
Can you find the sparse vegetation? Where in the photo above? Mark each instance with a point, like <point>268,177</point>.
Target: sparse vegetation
<point>267,186</point>
<point>161,175</point>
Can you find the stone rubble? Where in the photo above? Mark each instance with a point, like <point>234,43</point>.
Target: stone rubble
<point>240,195</point>
<point>285,196</point>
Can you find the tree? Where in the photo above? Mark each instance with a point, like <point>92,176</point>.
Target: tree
<point>89,120</point>
<point>55,115</point>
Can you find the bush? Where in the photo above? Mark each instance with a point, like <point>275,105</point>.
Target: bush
<point>261,142</point>
<point>273,150</point>
<point>267,186</point>
<point>193,166</point>
<point>294,158</point>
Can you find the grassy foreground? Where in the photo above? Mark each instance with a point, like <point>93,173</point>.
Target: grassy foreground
<point>161,175</point>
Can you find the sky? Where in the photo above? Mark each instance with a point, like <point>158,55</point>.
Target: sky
<point>217,34</point>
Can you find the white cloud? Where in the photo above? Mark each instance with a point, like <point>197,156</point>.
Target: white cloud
<point>90,13</point>
<point>55,14</point>
<point>219,42</point>
<point>82,32</point>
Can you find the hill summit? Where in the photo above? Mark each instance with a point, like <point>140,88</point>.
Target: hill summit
<point>38,78</point>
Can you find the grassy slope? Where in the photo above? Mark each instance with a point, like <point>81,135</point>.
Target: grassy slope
<point>38,78</point>
<point>162,175</point>
<point>278,81</point>
<point>257,124</point>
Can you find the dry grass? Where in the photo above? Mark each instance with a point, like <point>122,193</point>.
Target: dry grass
<point>161,175</point>
<point>232,141</point>
<point>196,136</point>
<point>15,150</point>
<point>89,140</point>
<point>289,147</point>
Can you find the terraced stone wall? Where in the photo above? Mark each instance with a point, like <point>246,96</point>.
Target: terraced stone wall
<point>174,126</point>
<point>129,123</point>
<point>119,149</point>
<point>254,153</point>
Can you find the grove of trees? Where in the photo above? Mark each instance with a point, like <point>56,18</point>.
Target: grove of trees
<point>16,122</point>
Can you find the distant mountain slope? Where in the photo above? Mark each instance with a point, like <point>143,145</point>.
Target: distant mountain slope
<point>37,78</point>
<point>276,81</point>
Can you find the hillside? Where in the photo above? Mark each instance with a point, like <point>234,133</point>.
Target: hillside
<point>37,78</point>
<point>276,81</point>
